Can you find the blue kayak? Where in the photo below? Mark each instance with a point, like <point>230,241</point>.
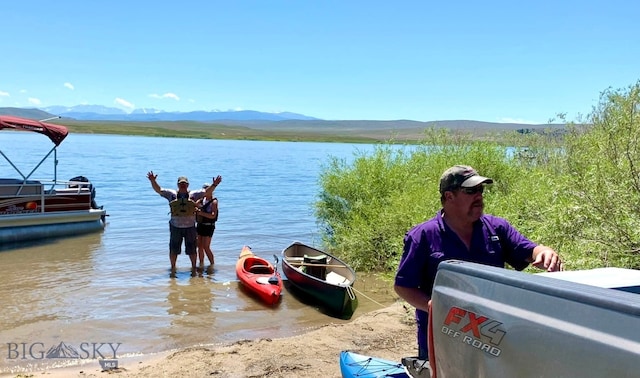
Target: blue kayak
<point>360,366</point>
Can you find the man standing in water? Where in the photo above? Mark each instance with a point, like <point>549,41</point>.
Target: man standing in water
<point>182,224</point>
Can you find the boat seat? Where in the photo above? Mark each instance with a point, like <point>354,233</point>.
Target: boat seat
<point>336,279</point>
<point>319,271</point>
<point>10,187</point>
<point>260,269</point>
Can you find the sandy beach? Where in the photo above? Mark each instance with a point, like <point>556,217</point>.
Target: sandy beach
<point>387,333</point>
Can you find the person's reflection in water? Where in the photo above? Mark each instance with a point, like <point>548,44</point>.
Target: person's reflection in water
<point>208,272</point>
<point>189,304</point>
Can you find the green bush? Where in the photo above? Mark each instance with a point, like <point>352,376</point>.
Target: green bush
<point>578,192</point>
<point>367,206</point>
<point>603,180</point>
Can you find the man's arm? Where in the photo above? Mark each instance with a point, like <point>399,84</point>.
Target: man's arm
<point>541,256</point>
<point>154,184</point>
<point>414,297</point>
<point>546,258</point>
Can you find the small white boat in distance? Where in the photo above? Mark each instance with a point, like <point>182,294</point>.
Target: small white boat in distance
<point>34,209</point>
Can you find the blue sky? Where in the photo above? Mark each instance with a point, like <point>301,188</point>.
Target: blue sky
<point>495,61</point>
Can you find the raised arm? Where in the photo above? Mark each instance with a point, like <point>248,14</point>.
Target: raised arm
<point>154,184</point>
<point>212,187</point>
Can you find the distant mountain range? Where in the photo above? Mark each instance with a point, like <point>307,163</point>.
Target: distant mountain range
<point>281,122</point>
<point>104,113</point>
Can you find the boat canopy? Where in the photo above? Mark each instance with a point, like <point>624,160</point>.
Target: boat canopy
<point>56,133</point>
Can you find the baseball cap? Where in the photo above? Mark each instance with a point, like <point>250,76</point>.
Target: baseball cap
<point>206,185</point>
<point>183,179</point>
<point>461,176</point>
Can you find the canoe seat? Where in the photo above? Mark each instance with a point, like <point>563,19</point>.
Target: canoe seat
<point>336,279</point>
<point>260,269</point>
<point>319,271</point>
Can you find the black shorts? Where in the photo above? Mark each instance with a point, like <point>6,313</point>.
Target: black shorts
<point>179,234</point>
<point>205,229</point>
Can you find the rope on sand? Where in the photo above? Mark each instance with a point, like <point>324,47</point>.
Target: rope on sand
<point>369,298</point>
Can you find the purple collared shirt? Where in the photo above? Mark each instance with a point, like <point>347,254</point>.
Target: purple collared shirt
<point>494,242</point>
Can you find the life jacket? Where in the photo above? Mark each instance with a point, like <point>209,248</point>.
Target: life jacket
<point>206,207</point>
<point>182,207</point>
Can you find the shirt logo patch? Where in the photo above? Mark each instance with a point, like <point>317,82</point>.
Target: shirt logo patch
<point>495,238</point>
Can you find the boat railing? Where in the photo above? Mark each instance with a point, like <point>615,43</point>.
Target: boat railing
<point>39,190</point>
<point>15,187</point>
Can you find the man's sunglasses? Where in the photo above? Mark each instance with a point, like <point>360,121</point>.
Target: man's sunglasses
<point>473,190</point>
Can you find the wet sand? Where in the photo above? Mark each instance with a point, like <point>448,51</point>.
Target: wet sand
<point>387,333</point>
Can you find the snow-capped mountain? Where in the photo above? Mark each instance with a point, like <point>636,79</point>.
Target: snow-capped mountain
<point>103,113</point>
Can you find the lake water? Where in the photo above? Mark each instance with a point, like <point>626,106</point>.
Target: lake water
<point>114,287</point>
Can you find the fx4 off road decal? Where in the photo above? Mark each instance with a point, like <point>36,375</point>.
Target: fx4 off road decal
<point>474,330</point>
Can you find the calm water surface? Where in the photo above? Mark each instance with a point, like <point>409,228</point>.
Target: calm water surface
<point>114,286</point>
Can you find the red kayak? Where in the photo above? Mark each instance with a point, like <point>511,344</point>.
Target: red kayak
<point>259,276</point>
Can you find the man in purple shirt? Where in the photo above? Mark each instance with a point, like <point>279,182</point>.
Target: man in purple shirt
<point>461,231</point>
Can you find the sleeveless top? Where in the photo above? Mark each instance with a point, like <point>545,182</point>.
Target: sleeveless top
<point>206,207</point>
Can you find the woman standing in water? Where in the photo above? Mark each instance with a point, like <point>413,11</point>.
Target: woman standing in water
<point>206,217</point>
